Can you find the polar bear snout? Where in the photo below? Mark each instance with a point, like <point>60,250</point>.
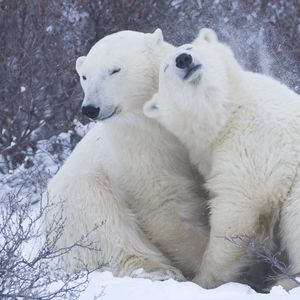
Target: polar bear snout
<point>183,60</point>
<point>100,114</point>
<point>187,66</point>
<point>90,111</point>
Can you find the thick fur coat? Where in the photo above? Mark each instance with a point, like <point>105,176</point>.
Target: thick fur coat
<point>242,130</point>
<point>128,173</point>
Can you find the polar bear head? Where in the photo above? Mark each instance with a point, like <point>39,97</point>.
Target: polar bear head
<point>120,72</point>
<point>196,86</point>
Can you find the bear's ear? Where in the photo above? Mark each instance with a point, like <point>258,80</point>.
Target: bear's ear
<point>151,109</point>
<point>79,62</point>
<point>157,36</point>
<point>207,35</point>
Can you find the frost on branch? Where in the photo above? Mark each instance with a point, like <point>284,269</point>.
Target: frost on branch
<point>264,253</point>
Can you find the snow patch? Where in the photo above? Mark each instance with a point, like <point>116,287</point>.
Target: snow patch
<point>113,288</point>
<point>50,29</point>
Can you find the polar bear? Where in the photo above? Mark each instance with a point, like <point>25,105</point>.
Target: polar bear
<point>242,130</point>
<point>128,173</point>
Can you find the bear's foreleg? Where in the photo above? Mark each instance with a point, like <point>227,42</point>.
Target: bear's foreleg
<point>232,219</point>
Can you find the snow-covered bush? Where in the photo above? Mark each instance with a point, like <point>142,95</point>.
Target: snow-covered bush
<point>31,265</point>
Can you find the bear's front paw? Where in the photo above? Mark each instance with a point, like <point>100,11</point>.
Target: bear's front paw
<point>207,281</point>
<point>159,274</point>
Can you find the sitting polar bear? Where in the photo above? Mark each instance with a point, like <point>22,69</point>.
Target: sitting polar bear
<point>242,130</point>
<point>128,173</point>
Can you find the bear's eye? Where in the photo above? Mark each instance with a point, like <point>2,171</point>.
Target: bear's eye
<point>84,77</point>
<point>114,71</point>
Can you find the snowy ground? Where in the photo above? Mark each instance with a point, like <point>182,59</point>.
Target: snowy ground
<point>111,288</point>
<point>103,285</point>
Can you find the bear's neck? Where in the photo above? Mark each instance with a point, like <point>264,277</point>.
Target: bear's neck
<point>201,132</point>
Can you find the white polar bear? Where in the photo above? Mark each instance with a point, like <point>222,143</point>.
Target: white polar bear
<point>242,130</point>
<point>128,172</point>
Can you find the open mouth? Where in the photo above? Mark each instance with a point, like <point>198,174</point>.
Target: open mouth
<point>191,71</point>
<point>102,118</point>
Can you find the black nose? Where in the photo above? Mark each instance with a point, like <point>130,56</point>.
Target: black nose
<point>90,111</point>
<point>183,61</point>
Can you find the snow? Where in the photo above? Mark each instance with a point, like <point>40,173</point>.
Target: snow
<point>113,288</point>
<point>45,163</point>
<point>50,29</point>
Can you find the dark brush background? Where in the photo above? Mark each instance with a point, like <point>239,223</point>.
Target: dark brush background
<point>40,94</point>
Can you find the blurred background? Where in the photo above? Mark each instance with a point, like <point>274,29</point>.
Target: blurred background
<point>40,94</point>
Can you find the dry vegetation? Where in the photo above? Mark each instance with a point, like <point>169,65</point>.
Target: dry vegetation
<point>40,41</point>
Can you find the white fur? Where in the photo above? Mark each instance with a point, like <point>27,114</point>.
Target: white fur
<point>242,130</point>
<point>130,173</point>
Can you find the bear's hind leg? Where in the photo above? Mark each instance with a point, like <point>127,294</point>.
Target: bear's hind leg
<point>123,245</point>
